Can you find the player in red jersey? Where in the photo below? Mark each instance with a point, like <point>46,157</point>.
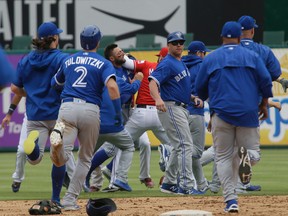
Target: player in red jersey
<point>144,116</point>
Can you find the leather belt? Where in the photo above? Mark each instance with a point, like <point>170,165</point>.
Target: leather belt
<point>145,106</point>
<point>181,104</point>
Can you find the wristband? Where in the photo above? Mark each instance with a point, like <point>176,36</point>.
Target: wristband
<point>11,109</point>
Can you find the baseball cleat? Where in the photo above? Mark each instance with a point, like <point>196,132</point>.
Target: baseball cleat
<point>30,142</point>
<point>148,182</point>
<point>57,134</point>
<point>245,171</point>
<point>231,206</point>
<point>15,186</point>
<point>111,188</point>
<point>169,188</point>
<point>122,185</point>
<point>191,191</point>
<point>253,188</point>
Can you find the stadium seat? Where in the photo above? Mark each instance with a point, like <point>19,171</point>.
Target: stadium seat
<point>146,41</point>
<point>274,38</point>
<point>22,42</point>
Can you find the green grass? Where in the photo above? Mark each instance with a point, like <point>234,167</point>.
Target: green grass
<point>271,173</point>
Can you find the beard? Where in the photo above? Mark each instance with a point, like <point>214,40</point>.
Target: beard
<point>119,61</point>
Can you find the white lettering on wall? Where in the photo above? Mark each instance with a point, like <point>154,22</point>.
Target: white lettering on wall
<point>5,25</point>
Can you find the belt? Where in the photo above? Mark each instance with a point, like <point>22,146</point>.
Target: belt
<point>181,104</point>
<point>145,106</point>
<point>75,100</point>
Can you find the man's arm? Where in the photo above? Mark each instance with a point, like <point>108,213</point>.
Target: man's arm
<point>154,92</point>
<point>15,101</point>
<point>19,91</point>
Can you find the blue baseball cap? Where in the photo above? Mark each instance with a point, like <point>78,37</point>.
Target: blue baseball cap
<point>196,46</point>
<point>175,36</point>
<point>48,29</point>
<point>231,29</point>
<point>247,22</point>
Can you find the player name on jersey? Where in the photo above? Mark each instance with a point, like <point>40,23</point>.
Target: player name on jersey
<point>84,60</point>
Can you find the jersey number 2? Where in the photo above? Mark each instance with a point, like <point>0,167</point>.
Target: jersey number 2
<point>79,82</point>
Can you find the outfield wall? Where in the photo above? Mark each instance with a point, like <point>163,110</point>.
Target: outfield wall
<point>273,130</point>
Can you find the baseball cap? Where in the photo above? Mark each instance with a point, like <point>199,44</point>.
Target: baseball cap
<point>196,46</point>
<point>175,36</point>
<point>163,52</point>
<point>48,29</point>
<point>231,29</point>
<point>247,22</point>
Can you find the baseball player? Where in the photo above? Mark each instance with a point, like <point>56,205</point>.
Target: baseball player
<point>232,76</point>
<point>144,117</point>
<point>248,25</point>
<point>196,52</point>
<point>34,73</point>
<point>84,75</point>
<point>116,56</point>
<point>172,78</point>
<point>7,72</point>
<point>112,137</point>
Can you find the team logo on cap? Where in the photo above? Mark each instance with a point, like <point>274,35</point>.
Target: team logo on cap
<point>179,35</point>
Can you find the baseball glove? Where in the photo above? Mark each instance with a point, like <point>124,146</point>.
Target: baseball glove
<point>44,207</point>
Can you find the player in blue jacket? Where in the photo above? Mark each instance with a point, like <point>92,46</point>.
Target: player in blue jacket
<point>34,72</point>
<point>232,77</point>
<point>196,52</point>
<point>84,75</point>
<point>172,78</point>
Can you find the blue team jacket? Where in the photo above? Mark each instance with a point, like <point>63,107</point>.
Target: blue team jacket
<point>107,111</point>
<point>34,72</point>
<point>193,63</point>
<point>232,77</point>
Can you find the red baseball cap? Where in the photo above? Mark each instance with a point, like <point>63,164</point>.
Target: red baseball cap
<point>163,52</point>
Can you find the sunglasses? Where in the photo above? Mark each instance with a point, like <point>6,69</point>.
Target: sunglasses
<point>175,43</point>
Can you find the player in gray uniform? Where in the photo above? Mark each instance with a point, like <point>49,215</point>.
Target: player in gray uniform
<point>34,72</point>
<point>232,77</point>
<point>172,78</point>
<point>196,52</point>
<point>84,75</point>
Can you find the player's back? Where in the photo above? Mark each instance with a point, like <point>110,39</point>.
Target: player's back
<point>85,76</point>
<point>266,54</point>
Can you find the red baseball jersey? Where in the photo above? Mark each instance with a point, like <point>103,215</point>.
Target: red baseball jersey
<point>146,68</point>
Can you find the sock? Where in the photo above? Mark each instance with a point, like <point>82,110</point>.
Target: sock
<point>35,153</point>
<point>57,176</point>
<point>98,158</point>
